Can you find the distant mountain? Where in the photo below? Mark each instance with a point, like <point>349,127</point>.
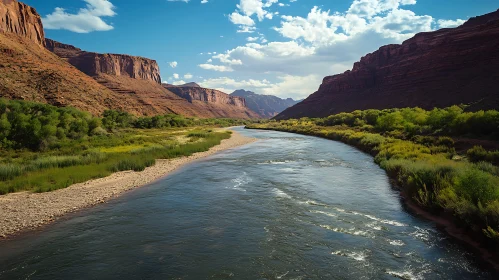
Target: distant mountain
<point>267,106</point>
<point>446,67</point>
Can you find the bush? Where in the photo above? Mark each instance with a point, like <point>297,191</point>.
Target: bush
<point>477,186</point>
<point>478,153</point>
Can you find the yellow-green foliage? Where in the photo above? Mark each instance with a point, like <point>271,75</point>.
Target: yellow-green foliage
<point>79,161</point>
<point>414,147</point>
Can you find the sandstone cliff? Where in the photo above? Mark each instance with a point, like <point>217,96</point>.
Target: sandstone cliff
<point>95,64</point>
<point>20,19</point>
<point>434,69</point>
<point>207,95</point>
<point>218,102</point>
<point>267,106</point>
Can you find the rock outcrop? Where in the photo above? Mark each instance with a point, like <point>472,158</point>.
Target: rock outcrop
<point>95,64</point>
<point>213,100</point>
<point>22,20</point>
<point>433,69</point>
<point>207,95</point>
<point>267,106</point>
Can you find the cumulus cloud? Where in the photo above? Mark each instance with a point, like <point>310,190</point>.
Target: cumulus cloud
<point>173,64</point>
<point>86,20</point>
<point>246,9</point>
<point>296,87</point>
<point>442,23</point>
<point>318,44</point>
<point>218,68</point>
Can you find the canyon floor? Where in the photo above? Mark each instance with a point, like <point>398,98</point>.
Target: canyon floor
<point>27,210</point>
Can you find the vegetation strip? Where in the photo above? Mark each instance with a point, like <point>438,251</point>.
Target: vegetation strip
<point>45,148</point>
<point>417,150</point>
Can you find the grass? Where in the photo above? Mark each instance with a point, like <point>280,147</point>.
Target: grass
<point>96,158</point>
<point>426,167</point>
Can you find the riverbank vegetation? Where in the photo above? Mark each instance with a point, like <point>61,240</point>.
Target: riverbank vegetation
<point>431,155</point>
<point>43,148</point>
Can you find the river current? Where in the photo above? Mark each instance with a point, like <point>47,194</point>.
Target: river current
<point>285,207</point>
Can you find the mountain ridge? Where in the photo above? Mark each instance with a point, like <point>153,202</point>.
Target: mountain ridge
<point>267,106</point>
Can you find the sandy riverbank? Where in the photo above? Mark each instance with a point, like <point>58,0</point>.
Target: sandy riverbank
<point>25,210</point>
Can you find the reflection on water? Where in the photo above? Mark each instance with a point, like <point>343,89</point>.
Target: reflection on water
<point>285,207</point>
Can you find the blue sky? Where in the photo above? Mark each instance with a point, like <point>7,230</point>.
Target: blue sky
<point>279,47</point>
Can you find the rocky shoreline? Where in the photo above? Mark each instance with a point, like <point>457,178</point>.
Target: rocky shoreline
<point>25,211</point>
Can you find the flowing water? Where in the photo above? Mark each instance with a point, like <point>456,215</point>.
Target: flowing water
<point>284,207</point>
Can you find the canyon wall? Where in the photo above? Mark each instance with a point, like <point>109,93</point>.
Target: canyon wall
<point>95,64</point>
<point>21,19</point>
<point>434,69</point>
<point>214,101</point>
<point>207,95</point>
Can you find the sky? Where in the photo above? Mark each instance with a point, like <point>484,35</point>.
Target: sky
<point>278,47</point>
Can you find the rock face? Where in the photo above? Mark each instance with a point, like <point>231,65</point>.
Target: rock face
<point>267,106</point>
<point>207,95</point>
<point>21,19</point>
<point>94,64</point>
<point>213,100</point>
<point>434,69</point>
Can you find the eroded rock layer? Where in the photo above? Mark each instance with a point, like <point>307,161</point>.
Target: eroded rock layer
<point>22,20</point>
<point>95,64</point>
<point>434,69</point>
<point>215,101</point>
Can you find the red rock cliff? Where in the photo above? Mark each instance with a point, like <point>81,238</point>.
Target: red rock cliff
<point>21,19</point>
<point>207,95</point>
<point>434,69</point>
<point>94,64</point>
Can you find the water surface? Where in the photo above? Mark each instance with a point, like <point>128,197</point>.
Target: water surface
<point>285,207</point>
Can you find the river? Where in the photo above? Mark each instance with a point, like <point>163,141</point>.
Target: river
<point>285,207</point>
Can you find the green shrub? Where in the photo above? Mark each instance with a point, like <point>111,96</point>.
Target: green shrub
<point>477,186</point>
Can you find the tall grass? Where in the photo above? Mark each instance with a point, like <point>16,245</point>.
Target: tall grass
<point>55,172</point>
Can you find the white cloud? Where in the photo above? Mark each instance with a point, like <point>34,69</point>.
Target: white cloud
<point>442,23</point>
<point>248,8</point>
<point>204,1</point>
<point>218,68</point>
<point>185,1</point>
<point>176,76</point>
<point>319,44</point>
<point>173,64</point>
<point>179,82</point>
<point>188,76</point>
<point>237,18</point>
<point>87,19</point>
<point>255,7</point>
<point>288,86</point>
